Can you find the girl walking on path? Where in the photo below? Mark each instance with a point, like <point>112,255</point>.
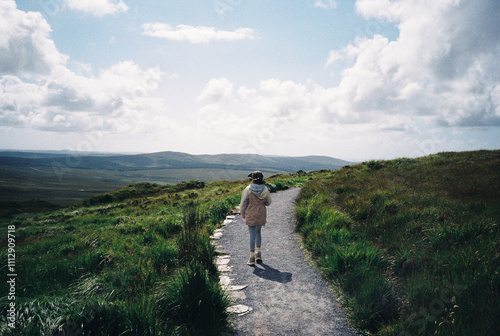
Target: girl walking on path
<point>253,204</point>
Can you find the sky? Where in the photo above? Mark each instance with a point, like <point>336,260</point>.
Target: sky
<point>351,79</point>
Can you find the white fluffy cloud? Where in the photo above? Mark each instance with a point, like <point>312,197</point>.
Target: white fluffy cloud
<point>118,99</point>
<point>443,64</point>
<point>279,117</point>
<point>325,4</point>
<point>198,34</point>
<point>38,91</point>
<point>25,46</point>
<point>257,118</point>
<point>98,7</point>
<point>442,70</point>
<point>217,89</point>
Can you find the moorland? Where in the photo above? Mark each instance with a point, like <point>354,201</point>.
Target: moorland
<point>65,177</point>
<point>134,261</point>
<point>411,246</point>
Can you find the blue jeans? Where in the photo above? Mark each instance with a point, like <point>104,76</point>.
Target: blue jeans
<point>255,236</point>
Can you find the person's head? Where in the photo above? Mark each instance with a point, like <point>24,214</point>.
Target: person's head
<point>257,177</point>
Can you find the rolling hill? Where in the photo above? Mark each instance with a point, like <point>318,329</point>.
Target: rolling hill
<point>412,244</point>
<point>64,177</point>
<point>169,160</point>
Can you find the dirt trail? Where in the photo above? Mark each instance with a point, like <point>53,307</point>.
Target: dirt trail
<point>285,294</point>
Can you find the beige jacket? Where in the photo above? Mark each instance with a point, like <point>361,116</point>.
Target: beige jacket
<point>253,204</point>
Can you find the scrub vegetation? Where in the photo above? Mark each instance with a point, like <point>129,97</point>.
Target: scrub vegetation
<point>135,261</point>
<point>411,245</point>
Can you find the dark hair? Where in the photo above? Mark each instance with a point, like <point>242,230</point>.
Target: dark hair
<point>257,177</point>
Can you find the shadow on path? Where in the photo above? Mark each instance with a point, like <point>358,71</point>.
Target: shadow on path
<point>269,273</point>
<point>287,295</point>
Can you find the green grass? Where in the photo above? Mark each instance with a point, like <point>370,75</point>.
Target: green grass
<point>136,261</point>
<point>69,178</point>
<point>194,302</point>
<point>411,244</point>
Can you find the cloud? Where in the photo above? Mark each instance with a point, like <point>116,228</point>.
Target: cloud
<point>196,35</point>
<point>443,64</point>
<point>25,46</point>
<point>98,7</point>
<point>325,4</point>
<point>216,89</point>
<point>442,70</point>
<point>38,91</point>
<point>379,9</point>
<point>274,112</point>
<point>119,97</point>
<point>280,116</point>
<point>334,56</point>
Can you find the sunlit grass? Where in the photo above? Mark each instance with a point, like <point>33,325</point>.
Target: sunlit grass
<point>137,261</point>
<point>401,238</point>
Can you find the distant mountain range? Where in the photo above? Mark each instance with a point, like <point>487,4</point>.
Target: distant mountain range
<point>167,160</point>
<point>64,177</point>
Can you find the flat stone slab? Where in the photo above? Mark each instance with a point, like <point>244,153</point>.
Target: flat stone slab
<point>222,260</point>
<point>217,234</point>
<point>224,268</point>
<point>225,280</point>
<point>239,309</point>
<point>219,250</point>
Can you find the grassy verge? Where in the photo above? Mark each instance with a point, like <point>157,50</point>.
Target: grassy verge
<point>413,245</point>
<point>136,261</point>
<point>116,264</point>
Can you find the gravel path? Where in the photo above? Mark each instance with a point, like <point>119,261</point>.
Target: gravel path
<point>285,294</point>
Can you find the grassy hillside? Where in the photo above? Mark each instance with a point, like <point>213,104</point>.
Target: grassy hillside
<point>169,160</point>
<point>66,178</point>
<point>413,245</point>
<point>136,261</point>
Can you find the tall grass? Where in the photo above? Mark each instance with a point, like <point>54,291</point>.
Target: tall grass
<point>99,268</point>
<point>412,244</point>
<point>193,243</point>
<point>136,261</point>
<point>195,303</point>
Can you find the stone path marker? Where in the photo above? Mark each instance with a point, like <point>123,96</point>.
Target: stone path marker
<point>284,295</point>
